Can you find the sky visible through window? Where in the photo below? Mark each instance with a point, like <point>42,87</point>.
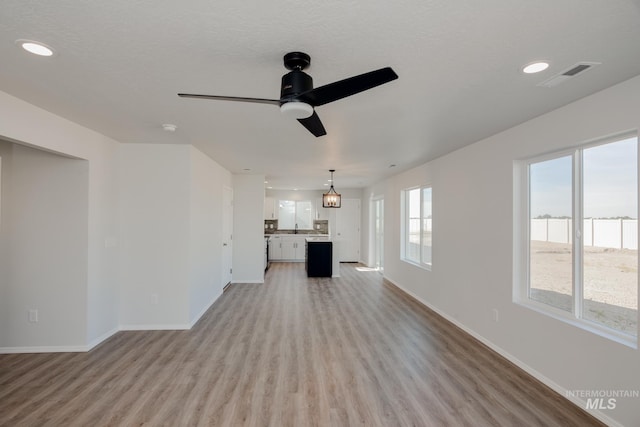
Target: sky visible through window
<point>414,203</point>
<point>610,183</point>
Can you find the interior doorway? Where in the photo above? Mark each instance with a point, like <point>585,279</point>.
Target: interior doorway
<point>377,233</point>
<point>227,236</point>
<point>348,230</point>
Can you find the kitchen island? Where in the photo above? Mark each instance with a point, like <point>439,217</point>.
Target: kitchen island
<point>321,259</point>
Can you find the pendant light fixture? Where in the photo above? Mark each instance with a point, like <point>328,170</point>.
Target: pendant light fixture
<point>331,199</point>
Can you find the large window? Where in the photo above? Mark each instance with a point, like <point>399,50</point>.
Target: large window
<point>292,213</point>
<point>580,252</point>
<point>417,226</point>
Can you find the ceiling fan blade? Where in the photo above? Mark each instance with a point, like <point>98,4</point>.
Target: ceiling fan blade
<point>231,98</point>
<point>347,87</point>
<point>313,125</point>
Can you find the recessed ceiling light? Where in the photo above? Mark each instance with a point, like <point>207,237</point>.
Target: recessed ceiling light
<point>326,185</point>
<point>535,67</point>
<point>269,187</point>
<point>169,127</point>
<point>35,47</point>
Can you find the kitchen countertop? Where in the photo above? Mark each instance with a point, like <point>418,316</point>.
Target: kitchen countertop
<point>322,238</point>
<point>298,235</point>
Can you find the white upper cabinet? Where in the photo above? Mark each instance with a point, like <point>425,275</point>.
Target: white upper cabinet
<point>270,211</point>
<point>321,213</point>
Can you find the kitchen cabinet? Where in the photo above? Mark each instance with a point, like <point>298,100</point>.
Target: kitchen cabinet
<point>293,248</point>
<point>270,208</point>
<point>286,248</point>
<point>322,213</point>
<point>299,247</point>
<point>275,248</point>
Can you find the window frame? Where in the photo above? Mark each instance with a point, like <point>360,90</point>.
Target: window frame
<point>405,226</point>
<point>296,204</point>
<point>522,236</point>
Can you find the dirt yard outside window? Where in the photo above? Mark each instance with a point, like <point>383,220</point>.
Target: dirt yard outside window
<point>610,282</point>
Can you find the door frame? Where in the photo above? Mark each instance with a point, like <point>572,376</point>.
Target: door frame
<point>227,237</point>
<point>376,237</point>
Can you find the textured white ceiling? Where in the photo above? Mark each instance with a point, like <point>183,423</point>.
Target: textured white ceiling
<point>120,64</point>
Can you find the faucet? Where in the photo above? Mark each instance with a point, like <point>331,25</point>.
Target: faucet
<point>295,230</point>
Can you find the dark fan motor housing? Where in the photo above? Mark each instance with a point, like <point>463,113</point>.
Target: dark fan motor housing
<point>297,86</point>
<point>296,81</point>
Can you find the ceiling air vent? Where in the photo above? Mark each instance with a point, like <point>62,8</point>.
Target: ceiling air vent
<point>569,73</point>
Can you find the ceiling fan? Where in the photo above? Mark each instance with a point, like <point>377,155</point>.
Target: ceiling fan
<point>298,97</point>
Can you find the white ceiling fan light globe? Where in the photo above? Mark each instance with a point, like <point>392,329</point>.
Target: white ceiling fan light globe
<point>34,47</point>
<point>296,109</point>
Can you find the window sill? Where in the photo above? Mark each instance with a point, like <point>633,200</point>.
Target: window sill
<point>594,328</point>
<point>417,264</point>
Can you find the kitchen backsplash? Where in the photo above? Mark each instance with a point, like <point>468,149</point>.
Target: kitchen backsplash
<point>320,226</point>
<point>270,226</point>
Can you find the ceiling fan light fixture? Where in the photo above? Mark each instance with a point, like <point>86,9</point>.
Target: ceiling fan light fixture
<point>296,109</point>
<point>297,86</point>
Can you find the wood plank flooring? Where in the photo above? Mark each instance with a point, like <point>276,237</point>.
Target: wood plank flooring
<point>353,351</point>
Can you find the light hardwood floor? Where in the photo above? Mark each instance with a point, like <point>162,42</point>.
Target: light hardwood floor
<point>353,351</point>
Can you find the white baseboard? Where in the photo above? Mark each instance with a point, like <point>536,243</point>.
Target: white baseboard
<point>204,310</point>
<point>233,282</point>
<point>45,349</point>
<point>528,369</point>
<point>97,341</point>
<point>175,327</point>
<point>102,338</point>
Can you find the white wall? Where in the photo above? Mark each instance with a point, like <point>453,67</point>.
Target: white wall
<point>6,150</point>
<point>316,196</point>
<point>171,234</point>
<point>168,203</point>
<point>348,193</point>
<point>248,228</point>
<point>154,236</point>
<point>24,123</point>
<point>46,221</point>
<point>102,286</point>
<point>205,259</point>
<point>472,264</point>
<point>294,195</point>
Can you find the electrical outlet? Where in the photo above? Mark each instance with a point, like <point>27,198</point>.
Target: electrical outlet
<point>496,315</point>
<point>154,299</point>
<point>33,316</point>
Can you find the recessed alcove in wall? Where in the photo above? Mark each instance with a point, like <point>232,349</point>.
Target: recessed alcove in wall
<point>43,248</point>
